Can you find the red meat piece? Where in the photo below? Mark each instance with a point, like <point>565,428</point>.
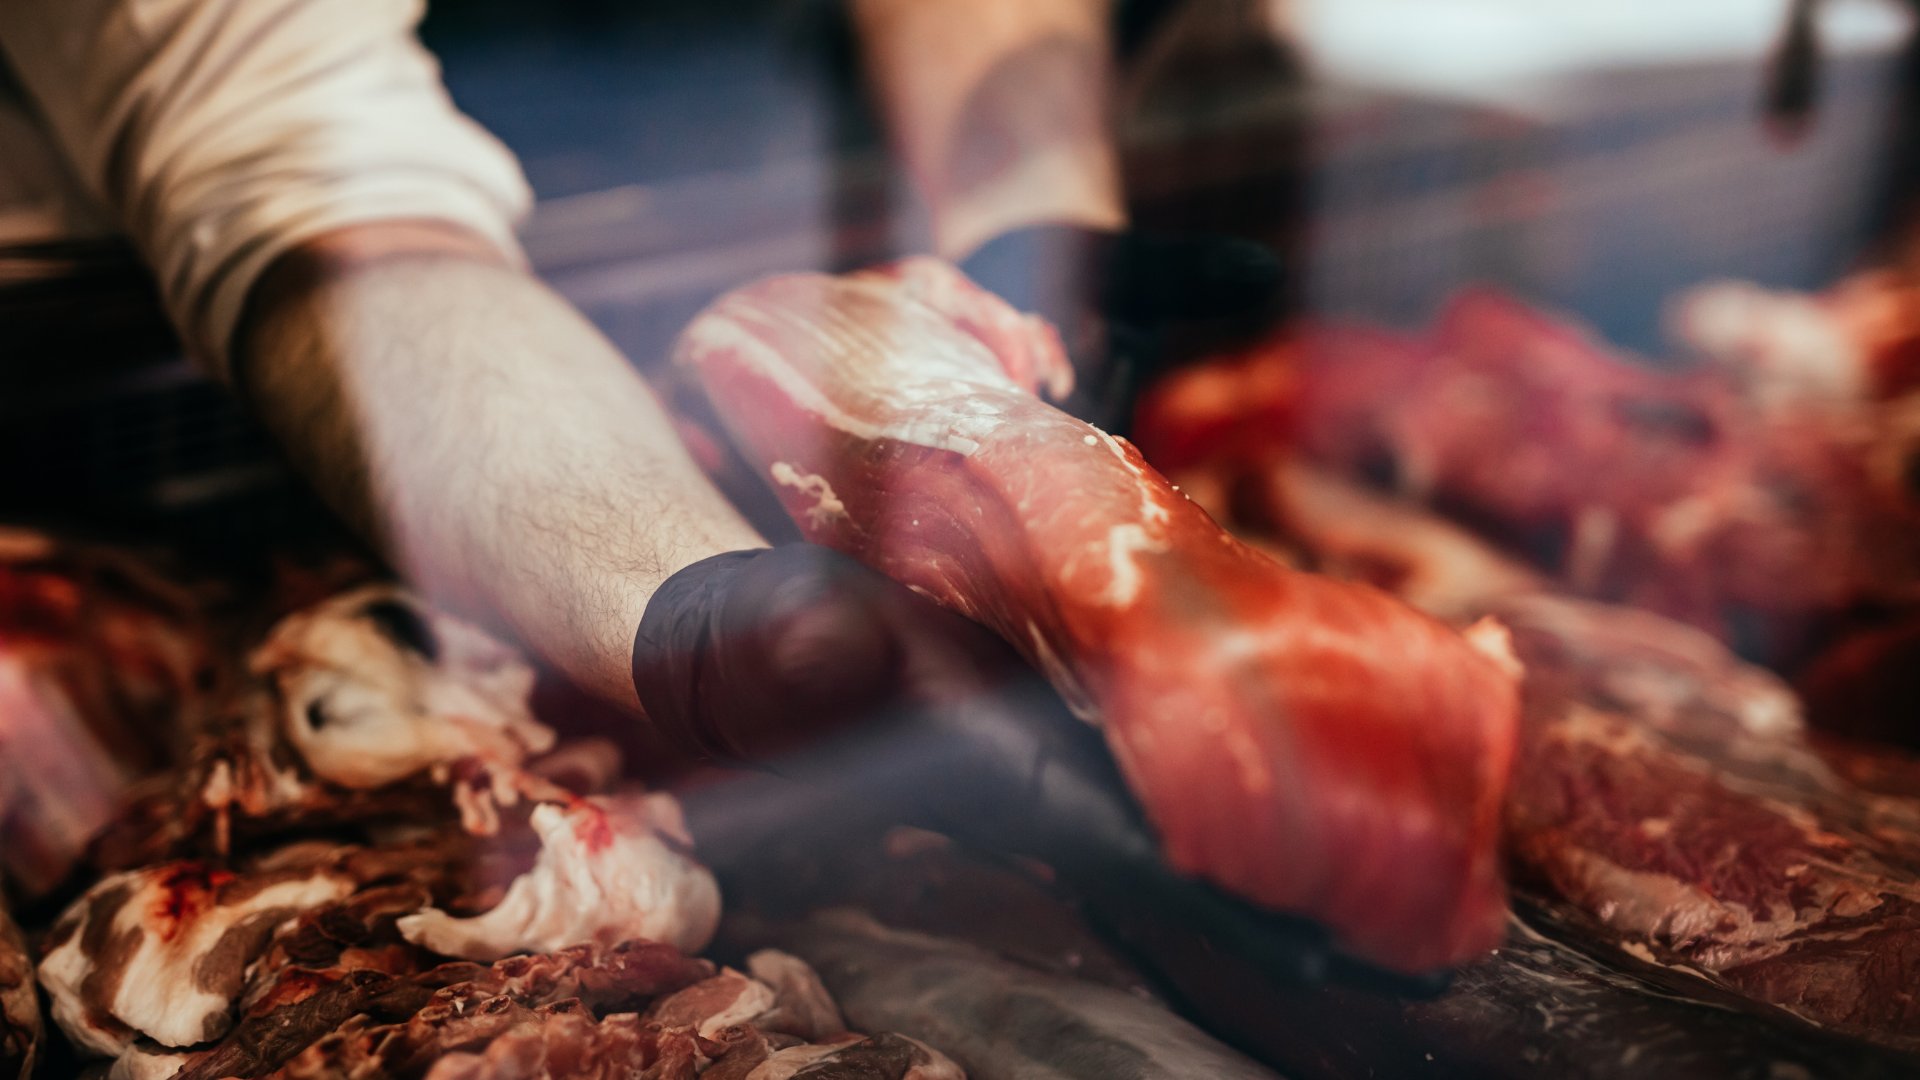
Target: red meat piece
<point>1315,746</point>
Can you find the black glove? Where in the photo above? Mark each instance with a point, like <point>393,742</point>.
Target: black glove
<point>1792,93</point>
<point>1131,304</point>
<point>803,662</point>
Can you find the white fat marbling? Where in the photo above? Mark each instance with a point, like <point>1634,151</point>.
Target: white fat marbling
<point>606,873</point>
<point>827,507</point>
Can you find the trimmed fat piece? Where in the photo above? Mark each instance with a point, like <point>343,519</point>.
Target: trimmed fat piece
<point>608,871</point>
<point>163,952</point>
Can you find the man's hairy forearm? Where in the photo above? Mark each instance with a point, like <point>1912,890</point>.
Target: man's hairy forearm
<point>489,440</point>
<point>1001,109</point>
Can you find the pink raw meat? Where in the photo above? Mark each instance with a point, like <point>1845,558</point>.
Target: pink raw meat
<point>1315,746</point>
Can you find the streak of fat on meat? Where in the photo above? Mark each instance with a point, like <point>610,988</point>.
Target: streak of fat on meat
<point>1122,542</point>
<point>783,1064</point>
<point>849,1055</point>
<point>1125,543</point>
<point>918,379</point>
<point>827,507</point>
<point>714,1004</point>
<point>1490,638</point>
<point>1714,933</point>
<point>1151,512</point>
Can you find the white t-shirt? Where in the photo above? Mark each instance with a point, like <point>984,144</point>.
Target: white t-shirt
<point>216,134</point>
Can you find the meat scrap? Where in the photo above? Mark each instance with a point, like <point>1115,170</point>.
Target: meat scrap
<point>20,1023</point>
<point>557,1042</point>
<point>373,688</point>
<point>180,954</point>
<point>324,984</point>
<point>367,706</point>
<point>242,786</point>
<point>285,1023</point>
<point>607,871</point>
<point>802,1007</point>
<point>714,1004</point>
<point>100,659</point>
<point>1356,750</point>
<point>887,1056</point>
<point>1670,793</point>
<point>163,952</point>
<point>1723,841</point>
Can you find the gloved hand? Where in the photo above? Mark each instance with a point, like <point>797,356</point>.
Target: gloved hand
<point>800,660</point>
<point>1129,304</point>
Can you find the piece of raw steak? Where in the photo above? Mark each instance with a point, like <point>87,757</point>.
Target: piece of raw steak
<point>1666,789</point>
<point>1671,792</point>
<point>1315,746</point>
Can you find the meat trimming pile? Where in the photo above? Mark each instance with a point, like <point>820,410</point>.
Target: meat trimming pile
<point>372,859</point>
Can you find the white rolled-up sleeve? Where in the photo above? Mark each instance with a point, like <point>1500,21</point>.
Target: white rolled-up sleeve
<point>221,133</point>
